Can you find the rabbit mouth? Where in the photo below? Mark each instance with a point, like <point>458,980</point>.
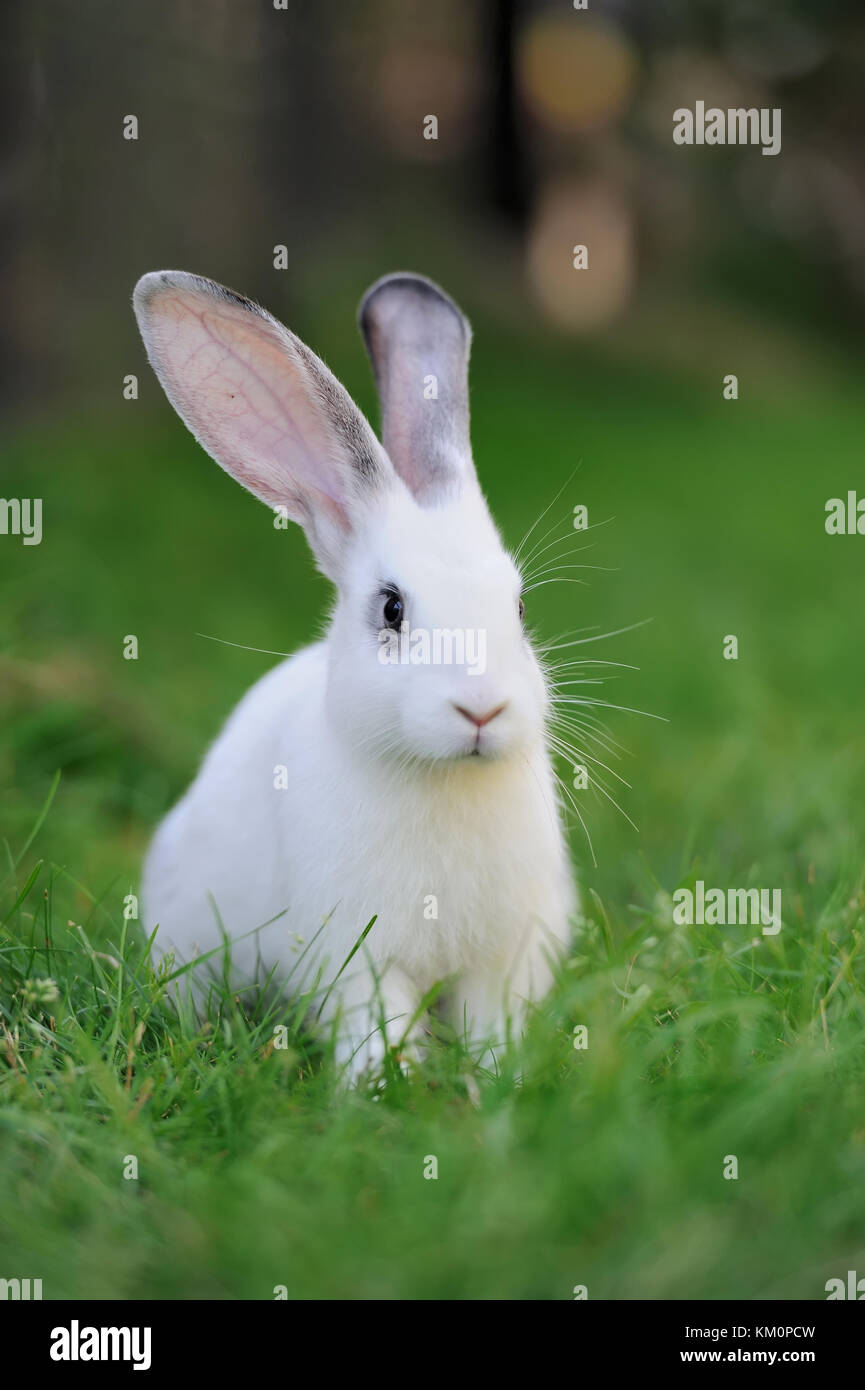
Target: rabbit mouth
<point>483,748</point>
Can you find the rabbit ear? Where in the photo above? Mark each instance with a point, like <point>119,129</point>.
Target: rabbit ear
<point>262,405</point>
<point>418,342</point>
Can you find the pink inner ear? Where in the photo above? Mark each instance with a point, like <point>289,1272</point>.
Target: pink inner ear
<point>240,384</point>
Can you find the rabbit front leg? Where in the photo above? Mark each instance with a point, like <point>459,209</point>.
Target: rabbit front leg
<point>373,1012</point>
<point>483,1010</point>
<point>491,1002</point>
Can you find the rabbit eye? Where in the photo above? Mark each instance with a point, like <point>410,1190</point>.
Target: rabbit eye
<point>522,609</point>
<point>394,608</point>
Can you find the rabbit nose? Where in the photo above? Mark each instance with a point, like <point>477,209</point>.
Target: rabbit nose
<point>479,719</point>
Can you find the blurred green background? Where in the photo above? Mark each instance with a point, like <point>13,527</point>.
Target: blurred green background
<point>303,128</point>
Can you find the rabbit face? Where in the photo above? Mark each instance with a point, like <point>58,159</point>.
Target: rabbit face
<point>429,658</point>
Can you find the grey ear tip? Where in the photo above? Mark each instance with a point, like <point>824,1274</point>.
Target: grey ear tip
<point>405,282</point>
<point>155,280</point>
<point>145,287</point>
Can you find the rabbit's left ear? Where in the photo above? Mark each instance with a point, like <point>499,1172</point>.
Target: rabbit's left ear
<point>263,406</point>
<point>418,342</point>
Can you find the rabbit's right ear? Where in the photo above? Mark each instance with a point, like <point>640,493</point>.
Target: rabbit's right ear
<point>418,342</point>
<point>262,405</point>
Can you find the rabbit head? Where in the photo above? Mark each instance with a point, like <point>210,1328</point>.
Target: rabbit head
<point>427,655</point>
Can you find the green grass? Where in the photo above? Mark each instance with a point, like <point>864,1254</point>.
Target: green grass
<point>604,1167</point>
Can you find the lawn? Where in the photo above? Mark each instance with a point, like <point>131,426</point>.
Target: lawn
<point>600,1166</point>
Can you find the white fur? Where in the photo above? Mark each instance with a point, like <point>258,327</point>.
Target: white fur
<point>461,859</point>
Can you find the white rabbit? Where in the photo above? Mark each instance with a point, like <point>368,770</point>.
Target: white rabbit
<point>420,793</point>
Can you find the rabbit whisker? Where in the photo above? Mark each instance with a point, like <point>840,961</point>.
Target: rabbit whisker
<point>242,645</point>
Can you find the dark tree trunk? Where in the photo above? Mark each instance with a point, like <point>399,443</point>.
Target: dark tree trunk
<point>508,177</point>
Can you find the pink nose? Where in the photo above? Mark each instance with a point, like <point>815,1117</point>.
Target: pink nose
<point>479,719</point>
